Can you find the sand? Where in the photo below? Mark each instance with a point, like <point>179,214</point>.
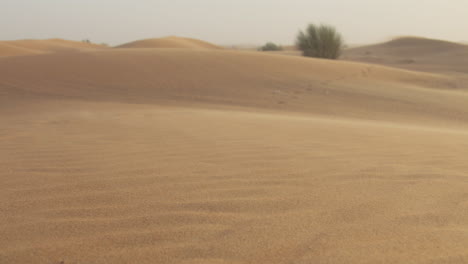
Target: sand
<point>411,53</point>
<point>213,156</point>
<point>170,43</point>
<point>33,46</point>
<point>414,53</point>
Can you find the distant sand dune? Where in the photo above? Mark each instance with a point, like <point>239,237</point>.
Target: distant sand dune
<point>171,42</point>
<point>30,47</point>
<point>414,53</point>
<point>7,49</point>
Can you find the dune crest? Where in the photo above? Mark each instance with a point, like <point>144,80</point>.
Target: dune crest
<point>170,42</point>
<point>414,53</point>
<point>412,46</point>
<point>33,46</point>
<point>7,49</point>
<point>240,79</point>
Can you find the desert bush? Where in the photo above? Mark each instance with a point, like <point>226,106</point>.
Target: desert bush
<point>270,46</point>
<point>320,42</point>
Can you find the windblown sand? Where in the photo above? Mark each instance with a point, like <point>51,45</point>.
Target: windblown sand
<point>204,156</point>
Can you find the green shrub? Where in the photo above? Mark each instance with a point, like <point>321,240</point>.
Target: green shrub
<point>320,42</point>
<point>270,46</point>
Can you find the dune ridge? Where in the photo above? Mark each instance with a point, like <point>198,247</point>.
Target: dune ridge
<point>32,46</point>
<point>170,42</point>
<point>13,50</point>
<point>414,53</point>
<point>230,78</point>
<point>423,45</point>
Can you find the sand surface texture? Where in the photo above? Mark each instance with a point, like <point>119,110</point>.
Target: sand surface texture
<point>182,155</point>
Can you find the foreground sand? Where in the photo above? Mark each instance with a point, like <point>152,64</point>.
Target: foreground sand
<point>233,159</point>
<point>133,184</point>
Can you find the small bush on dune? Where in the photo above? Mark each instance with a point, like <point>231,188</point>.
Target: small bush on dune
<point>270,46</point>
<point>320,42</point>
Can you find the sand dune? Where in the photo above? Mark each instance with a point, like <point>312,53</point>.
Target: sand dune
<point>30,47</point>
<point>7,49</point>
<point>239,79</point>
<point>415,53</point>
<point>213,156</point>
<point>412,53</point>
<point>170,42</point>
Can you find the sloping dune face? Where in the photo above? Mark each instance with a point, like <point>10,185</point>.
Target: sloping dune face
<point>170,42</point>
<point>197,156</point>
<point>7,49</point>
<point>31,47</point>
<point>415,53</point>
<point>234,79</point>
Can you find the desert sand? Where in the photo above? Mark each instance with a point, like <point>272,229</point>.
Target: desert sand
<point>172,42</point>
<point>32,47</point>
<point>201,155</point>
<point>415,53</point>
<point>412,53</point>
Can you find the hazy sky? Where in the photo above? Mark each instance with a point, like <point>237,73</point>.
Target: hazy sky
<point>230,22</point>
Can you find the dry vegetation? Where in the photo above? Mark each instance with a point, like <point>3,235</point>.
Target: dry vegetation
<point>320,41</point>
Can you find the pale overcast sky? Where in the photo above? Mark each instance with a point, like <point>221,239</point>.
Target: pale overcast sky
<point>230,21</point>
